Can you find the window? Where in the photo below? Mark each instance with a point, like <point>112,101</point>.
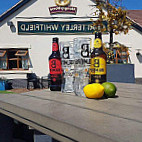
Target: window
<point>3,60</point>
<point>14,59</point>
<point>21,53</point>
<point>2,53</point>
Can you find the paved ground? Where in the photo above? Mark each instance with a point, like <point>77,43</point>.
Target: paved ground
<point>19,90</point>
<point>138,80</point>
<point>22,90</point>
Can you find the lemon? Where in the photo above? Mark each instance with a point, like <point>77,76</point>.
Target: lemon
<point>94,91</point>
<point>110,89</point>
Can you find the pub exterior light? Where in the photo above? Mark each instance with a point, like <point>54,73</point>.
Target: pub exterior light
<point>10,23</point>
<point>138,52</point>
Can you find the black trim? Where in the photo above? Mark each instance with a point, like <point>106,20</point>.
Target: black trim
<point>12,10</point>
<point>138,27</point>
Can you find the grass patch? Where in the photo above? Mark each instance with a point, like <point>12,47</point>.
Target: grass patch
<point>6,92</point>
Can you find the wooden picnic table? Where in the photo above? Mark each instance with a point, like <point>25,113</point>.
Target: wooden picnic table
<point>67,117</point>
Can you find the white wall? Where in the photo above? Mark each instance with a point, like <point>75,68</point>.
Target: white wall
<point>41,45</point>
<point>133,40</point>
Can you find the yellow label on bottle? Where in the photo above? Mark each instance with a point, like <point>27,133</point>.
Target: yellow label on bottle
<point>98,66</point>
<point>97,43</point>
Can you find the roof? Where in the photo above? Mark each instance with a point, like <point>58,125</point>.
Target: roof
<point>136,16</point>
<point>13,9</point>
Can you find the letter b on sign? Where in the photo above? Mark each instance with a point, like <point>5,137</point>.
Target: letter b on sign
<point>65,53</point>
<point>85,50</point>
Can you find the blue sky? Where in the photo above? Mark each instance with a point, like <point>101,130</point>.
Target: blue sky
<point>132,4</point>
<point>129,4</point>
<point>6,4</point>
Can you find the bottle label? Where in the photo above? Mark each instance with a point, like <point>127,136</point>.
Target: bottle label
<point>55,66</point>
<point>97,78</point>
<point>98,66</point>
<point>97,43</point>
<point>55,47</point>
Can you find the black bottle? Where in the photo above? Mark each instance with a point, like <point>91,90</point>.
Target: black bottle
<point>97,71</point>
<point>55,67</point>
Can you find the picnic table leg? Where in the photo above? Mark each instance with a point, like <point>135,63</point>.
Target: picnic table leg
<point>6,128</point>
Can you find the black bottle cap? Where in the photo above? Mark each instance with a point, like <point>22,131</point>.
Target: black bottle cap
<point>98,35</point>
<point>55,39</point>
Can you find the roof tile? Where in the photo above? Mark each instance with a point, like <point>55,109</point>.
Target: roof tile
<point>135,15</point>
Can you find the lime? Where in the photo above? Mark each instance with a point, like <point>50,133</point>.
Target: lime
<point>110,89</point>
<point>94,91</point>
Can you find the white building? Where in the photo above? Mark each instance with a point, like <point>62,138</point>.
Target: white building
<point>30,25</point>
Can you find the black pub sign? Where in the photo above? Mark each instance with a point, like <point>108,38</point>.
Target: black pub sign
<point>56,27</point>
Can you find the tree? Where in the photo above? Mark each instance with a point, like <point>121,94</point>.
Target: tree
<point>117,21</point>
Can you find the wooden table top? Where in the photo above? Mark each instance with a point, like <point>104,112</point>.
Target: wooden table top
<point>67,117</point>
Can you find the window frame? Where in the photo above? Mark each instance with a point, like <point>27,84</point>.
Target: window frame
<point>16,54</point>
<point>18,58</point>
<point>2,53</point>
